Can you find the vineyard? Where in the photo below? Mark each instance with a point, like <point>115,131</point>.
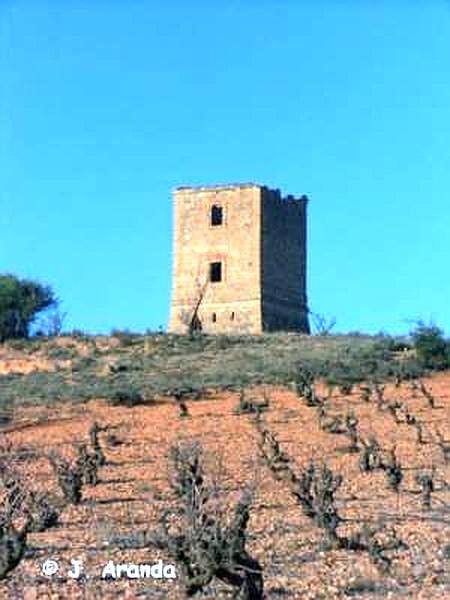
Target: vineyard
<point>282,468</point>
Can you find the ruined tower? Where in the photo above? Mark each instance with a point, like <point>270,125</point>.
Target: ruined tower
<point>240,258</point>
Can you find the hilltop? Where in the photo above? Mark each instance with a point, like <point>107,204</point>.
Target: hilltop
<point>139,367</point>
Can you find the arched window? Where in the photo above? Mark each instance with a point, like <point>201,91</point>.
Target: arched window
<point>214,317</point>
<point>216,215</point>
<point>232,316</point>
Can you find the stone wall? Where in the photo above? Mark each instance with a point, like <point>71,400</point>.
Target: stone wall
<point>283,259</point>
<point>233,304</point>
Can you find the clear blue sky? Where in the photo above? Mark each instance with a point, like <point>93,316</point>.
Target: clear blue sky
<point>106,106</point>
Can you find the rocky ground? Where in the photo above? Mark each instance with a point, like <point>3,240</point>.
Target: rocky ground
<point>134,491</point>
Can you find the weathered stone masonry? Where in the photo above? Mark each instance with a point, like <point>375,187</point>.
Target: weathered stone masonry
<point>244,248</point>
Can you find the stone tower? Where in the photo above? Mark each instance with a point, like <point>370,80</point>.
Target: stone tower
<point>240,258</point>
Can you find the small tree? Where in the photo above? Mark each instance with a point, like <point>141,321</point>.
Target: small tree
<point>190,318</point>
<point>51,324</point>
<point>21,300</point>
<point>322,324</point>
<point>432,349</point>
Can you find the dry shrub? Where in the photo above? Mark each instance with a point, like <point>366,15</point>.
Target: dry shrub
<point>315,490</point>
<point>202,540</point>
<point>69,477</point>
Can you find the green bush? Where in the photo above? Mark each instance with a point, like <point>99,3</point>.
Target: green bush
<point>21,300</point>
<point>432,349</point>
<point>127,396</point>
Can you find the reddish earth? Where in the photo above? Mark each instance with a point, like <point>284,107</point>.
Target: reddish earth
<point>134,491</point>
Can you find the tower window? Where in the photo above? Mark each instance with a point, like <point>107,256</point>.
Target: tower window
<point>232,316</point>
<point>214,317</point>
<point>215,272</point>
<point>216,215</point>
